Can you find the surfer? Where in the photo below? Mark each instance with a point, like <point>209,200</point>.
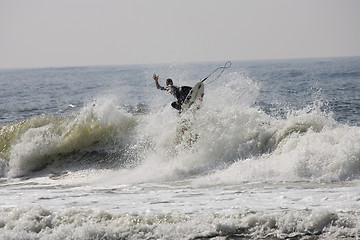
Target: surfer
<point>179,93</point>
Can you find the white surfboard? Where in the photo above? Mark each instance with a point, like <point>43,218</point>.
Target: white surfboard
<point>195,95</point>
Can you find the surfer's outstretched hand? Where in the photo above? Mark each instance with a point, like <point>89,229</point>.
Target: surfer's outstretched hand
<point>155,77</point>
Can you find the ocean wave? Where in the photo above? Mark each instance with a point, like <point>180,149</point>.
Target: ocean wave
<point>42,223</point>
<point>234,145</point>
<point>307,145</point>
<point>34,144</point>
<point>229,139</point>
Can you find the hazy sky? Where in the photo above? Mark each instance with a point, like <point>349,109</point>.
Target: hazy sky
<point>40,33</point>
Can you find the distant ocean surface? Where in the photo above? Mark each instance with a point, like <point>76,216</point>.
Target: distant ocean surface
<point>97,152</point>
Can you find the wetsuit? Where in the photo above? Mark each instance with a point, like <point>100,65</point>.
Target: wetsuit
<point>179,93</point>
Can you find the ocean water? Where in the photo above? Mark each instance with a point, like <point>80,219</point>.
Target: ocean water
<point>273,152</point>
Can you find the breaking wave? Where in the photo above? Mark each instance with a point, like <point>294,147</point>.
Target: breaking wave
<point>229,139</point>
<point>94,135</point>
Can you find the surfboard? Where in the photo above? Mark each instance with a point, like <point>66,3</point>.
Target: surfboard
<point>195,95</point>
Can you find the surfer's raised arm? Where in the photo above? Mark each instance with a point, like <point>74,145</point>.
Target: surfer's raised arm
<point>156,78</point>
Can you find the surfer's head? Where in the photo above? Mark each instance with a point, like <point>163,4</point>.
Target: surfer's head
<point>169,82</point>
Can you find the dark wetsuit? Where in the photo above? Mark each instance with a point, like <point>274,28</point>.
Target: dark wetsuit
<point>179,93</point>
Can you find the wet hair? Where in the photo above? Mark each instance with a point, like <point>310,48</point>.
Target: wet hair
<point>169,82</point>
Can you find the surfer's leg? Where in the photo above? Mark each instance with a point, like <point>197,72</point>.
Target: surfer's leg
<point>175,105</point>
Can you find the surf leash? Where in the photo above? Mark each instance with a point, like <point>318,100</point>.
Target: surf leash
<point>227,65</point>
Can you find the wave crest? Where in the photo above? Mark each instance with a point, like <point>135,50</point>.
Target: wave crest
<point>35,143</point>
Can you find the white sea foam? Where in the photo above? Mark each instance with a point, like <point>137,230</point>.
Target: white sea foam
<point>231,169</point>
<point>45,140</point>
<point>40,223</point>
<point>241,143</point>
